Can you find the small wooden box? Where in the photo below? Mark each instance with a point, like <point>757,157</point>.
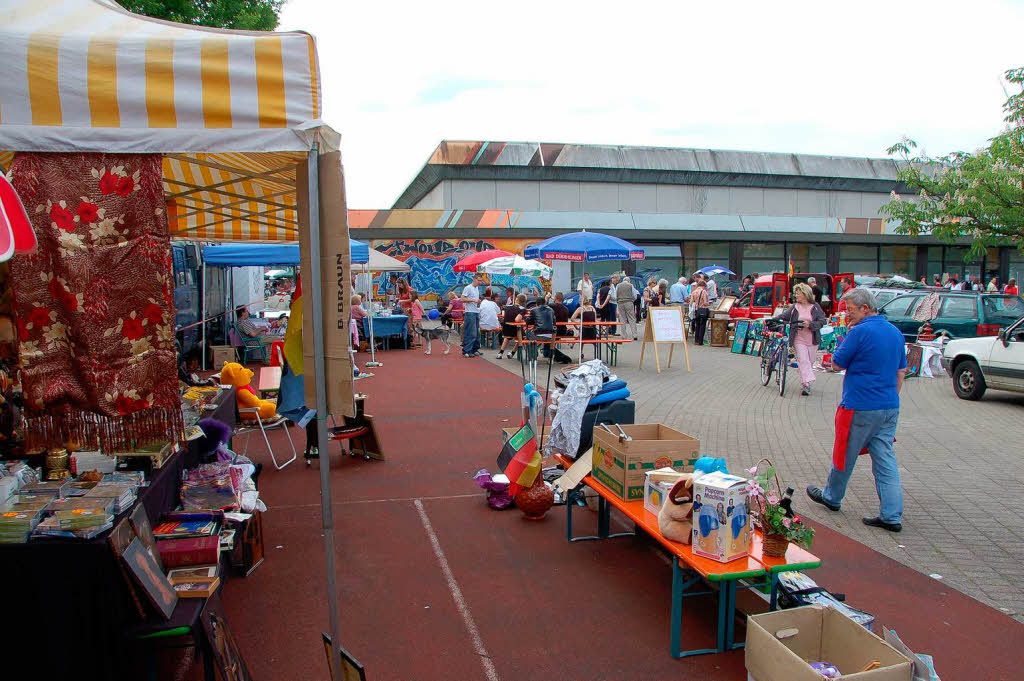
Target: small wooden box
<point>222,354</point>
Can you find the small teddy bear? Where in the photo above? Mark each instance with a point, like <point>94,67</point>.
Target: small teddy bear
<point>675,520</point>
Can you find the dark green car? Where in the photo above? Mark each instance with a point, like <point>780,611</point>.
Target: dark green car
<point>961,314</point>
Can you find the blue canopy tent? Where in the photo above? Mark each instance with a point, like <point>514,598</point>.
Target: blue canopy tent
<point>261,255</point>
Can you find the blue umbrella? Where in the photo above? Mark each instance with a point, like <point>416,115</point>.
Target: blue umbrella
<point>712,270</point>
<point>584,246</point>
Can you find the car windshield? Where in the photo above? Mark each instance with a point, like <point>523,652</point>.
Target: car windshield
<point>1003,308</point>
<point>763,296</point>
<point>899,307</point>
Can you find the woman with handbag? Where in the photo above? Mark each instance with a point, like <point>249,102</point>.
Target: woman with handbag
<point>701,310</point>
<point>805,318</point>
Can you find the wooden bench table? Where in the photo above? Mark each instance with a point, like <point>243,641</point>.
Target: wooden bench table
<point>690,570</point>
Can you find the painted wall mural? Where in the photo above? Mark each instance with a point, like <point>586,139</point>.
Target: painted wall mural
<point>432,262</point>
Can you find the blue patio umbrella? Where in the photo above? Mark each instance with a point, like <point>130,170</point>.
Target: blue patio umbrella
<point>712,270</point>
<point>584,246</point>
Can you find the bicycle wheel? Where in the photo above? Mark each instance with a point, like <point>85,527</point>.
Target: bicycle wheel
<point>783,365</point>
<point>766,368</point>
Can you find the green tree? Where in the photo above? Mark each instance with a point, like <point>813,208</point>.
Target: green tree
<point>979,195</point>
<point>248,15</point>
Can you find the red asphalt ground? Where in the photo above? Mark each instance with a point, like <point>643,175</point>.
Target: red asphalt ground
<point>540,607</point>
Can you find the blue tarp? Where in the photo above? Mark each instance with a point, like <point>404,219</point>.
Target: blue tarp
<point>244,255</point>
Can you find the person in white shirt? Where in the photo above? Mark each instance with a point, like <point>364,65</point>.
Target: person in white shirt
<point>712,289</point>
<point>586,287</point>
<point>489,311</point>
<point>471,318</point>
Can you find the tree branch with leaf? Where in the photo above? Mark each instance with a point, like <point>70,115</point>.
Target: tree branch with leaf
<point>977,195</point>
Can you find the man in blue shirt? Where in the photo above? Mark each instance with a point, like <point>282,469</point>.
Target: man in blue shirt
<point>875,361</point>
<point>677,292</point>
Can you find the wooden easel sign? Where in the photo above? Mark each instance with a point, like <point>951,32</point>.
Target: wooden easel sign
<point>664,325</point>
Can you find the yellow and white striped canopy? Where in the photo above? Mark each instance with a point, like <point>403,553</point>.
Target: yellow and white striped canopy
<point>232,111</point>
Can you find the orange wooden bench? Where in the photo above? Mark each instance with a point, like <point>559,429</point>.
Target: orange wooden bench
<point>690,570</point>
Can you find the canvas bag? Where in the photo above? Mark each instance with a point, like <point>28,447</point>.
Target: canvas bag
<point>675,520</point>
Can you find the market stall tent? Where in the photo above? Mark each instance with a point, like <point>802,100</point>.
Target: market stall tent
<point>234,114</point>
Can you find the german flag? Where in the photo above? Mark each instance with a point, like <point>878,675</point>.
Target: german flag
<point>520,460</point>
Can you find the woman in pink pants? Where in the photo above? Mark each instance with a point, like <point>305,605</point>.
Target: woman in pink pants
<point>805,319</point>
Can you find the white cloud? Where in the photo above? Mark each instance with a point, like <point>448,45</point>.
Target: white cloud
<point>809,77</point>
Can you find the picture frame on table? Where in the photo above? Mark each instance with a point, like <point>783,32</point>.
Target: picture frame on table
<point>756,348</point>
<point>144,531</point>
<point>351,668</point>
<point>119,540</point>
<point>739,340</point>
<point>150,578</point>
<point>197,589</point>
<point>193,573</point>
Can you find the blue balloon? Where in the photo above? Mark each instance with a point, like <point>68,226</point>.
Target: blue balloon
<point>433,314</point>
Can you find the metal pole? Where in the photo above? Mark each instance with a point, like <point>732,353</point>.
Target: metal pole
<point>373,343</point>
<point>320,380</point>
<point>202,292</point>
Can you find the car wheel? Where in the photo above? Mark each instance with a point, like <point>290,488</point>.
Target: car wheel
<point>968,383</point>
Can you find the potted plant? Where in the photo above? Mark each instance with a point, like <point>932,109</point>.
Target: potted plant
<point>772,513</point>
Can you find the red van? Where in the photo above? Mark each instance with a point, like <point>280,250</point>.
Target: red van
<point>772,291</point>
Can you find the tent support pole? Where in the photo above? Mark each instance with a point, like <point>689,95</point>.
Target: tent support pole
<point>320,380</point>
<point>202,292</point>
<point>373,342</point>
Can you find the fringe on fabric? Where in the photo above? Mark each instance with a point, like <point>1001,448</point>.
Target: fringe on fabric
<point>88,430</point>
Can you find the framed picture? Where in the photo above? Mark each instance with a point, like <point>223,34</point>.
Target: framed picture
<point>756,348</point>
<point>119,540</point>
<point>150,578</point>
<point>203,589</point>
<point>739,341</point>
<point>144,531</point>
<point>227,657</point>
<point>197,573</point>
<point>351,669</point>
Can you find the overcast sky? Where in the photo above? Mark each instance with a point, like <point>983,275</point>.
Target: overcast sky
<point>824,78</point>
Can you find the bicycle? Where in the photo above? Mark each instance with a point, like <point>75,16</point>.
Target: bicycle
<point>775,355</point>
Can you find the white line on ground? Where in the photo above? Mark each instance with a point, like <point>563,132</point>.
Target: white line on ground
<point>375,501</point>
<point>478,643</point>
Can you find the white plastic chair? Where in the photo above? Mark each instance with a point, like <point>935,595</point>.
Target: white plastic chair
<point>278,422</point>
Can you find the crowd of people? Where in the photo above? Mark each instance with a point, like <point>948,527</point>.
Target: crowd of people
<point>972,283</point>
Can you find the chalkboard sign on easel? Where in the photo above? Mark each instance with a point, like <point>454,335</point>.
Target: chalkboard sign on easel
<point>664,325</point>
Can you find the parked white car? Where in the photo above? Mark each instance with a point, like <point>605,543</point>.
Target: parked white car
<point>976,364</point>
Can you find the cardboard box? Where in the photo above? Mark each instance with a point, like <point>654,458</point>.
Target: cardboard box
<point>721,523</point>
<point>620,464</point>
<point>657,485</point>
<point>780,644</point>
<point>221,355</point>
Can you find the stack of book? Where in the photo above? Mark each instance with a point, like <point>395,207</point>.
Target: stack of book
<point>188,542</point>
<point>84,519</point>
<point>18,519</point>
<point>104,505</point>
<point>52,488</point>
<point>123,494</point>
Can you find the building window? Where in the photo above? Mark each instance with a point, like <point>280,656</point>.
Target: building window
<point>698,254</point>
<point>934,263</point>
<point>901,260</point>
<point>1016,266</point>
<point>808,257</point>
<point>858,259</point>
<point>667,258</point>
<point>764,258</point>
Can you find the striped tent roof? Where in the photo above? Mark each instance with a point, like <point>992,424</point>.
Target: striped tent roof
<point>232,111</point>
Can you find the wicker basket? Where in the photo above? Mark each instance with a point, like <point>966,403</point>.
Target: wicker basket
<point>775,545</point>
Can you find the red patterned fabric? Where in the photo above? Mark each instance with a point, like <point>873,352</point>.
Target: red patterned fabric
<point>94,304</point>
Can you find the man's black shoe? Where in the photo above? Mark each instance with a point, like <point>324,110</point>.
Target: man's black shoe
<point>878,522</point>
<point>816,496</point>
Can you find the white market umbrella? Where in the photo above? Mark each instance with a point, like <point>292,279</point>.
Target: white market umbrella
<point>515,265</point>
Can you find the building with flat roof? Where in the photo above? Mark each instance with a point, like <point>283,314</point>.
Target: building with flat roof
<point>750,211</point>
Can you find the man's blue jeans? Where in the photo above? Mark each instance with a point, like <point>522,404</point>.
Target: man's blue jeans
<point>470,333</point>
<point>876,430</point>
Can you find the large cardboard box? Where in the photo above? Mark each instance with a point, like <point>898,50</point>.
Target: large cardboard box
<point>222,354</point>
<point>780,644</point>
<point>721,522</point>
<point>620,464</point>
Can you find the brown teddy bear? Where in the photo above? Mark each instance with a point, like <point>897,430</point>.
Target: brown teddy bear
<point>240,377</point>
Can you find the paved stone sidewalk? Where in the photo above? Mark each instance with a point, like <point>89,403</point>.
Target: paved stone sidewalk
<point>962,463</point>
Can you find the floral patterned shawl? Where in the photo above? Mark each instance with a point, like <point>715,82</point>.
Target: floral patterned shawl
<point>94,304</point>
